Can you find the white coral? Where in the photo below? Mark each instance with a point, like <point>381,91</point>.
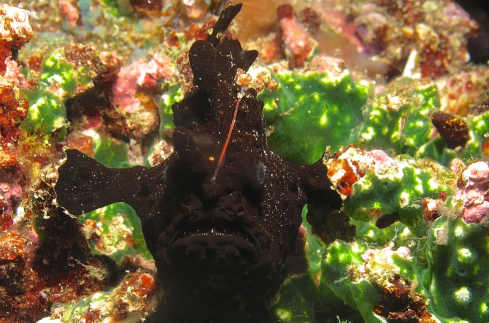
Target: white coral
<point>14,24</point>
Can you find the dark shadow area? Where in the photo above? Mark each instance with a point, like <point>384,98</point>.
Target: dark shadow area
<point>478,45</point>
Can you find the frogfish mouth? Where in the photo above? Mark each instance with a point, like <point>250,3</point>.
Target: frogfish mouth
<point>221,214</point>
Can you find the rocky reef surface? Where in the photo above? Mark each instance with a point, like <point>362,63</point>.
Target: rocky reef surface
<point>387,93</point>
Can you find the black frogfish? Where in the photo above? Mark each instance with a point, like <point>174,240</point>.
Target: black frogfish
<point>220,215</point>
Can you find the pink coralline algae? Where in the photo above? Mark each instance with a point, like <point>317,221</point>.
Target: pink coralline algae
<point>70,12</point>
<point>473,187</point>
<point>328,64</point>
<point>10,197</point>
<point>299,45</point>
<point>134,89</point>
<point>15,31</point>
<point>140,74</point>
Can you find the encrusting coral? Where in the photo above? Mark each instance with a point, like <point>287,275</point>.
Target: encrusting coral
<point>15,31</point>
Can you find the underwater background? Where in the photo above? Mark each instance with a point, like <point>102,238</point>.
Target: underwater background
<point>392,95</point>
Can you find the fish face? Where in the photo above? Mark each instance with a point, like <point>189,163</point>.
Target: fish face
<point>229,235</point>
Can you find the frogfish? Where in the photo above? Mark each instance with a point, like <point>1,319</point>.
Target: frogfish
<point>222,213</point>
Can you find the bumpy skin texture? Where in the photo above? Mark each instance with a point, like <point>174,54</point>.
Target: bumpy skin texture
<point>219,244</point>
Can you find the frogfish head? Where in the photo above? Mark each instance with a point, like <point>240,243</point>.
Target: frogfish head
<point>235,205</point>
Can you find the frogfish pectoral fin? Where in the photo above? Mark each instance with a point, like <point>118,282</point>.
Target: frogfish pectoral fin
<point>85,185</point>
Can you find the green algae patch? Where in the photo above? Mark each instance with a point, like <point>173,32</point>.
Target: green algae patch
<point>118,232</point>
<point>480,125</point>
<point>374,236</point>
<point>134,297</point>
<point>382,128</point>
<point>360,274</point>
<point>475,148</point>
<point>47,113</point>
<point>337,259</point>
<point>479,130</point>
<point>459,278</point>
<point>56,71</point>
<point>418,127</point>
<point>293,303</point>
<point>446,269</point>
<point>58,79</point>
<point>111,153</point>
<point>172,95</point>
<point>298,297</point>
<point>311,111</point>
<point>399,119</point>
<point>314,247</point>
<point>366,295</point>
<point>399,189</point>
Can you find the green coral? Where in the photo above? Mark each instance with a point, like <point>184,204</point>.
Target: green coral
<point>308,111</point>
<point>298,296</point>
<point>374,236</point>
<point>78,311</point>
<point>120,232</point>
<point>111,153</point>
<point>295,299</point>
<point>398,120</point>
<point>58,78</point>
<point>47,113</point>
<point>338,257</point>
<point>311,111</point>
<point>458,270</point>
<point>479,130</point>
<point>399,188</point>
<point>56,71</point>
<point>358,282</point>
<point>445,258</point>
<point>171,95</point>
<point>448,269</point>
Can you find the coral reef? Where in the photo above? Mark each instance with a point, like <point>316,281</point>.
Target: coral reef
<point>389,96</point>
<point>15,32</point>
